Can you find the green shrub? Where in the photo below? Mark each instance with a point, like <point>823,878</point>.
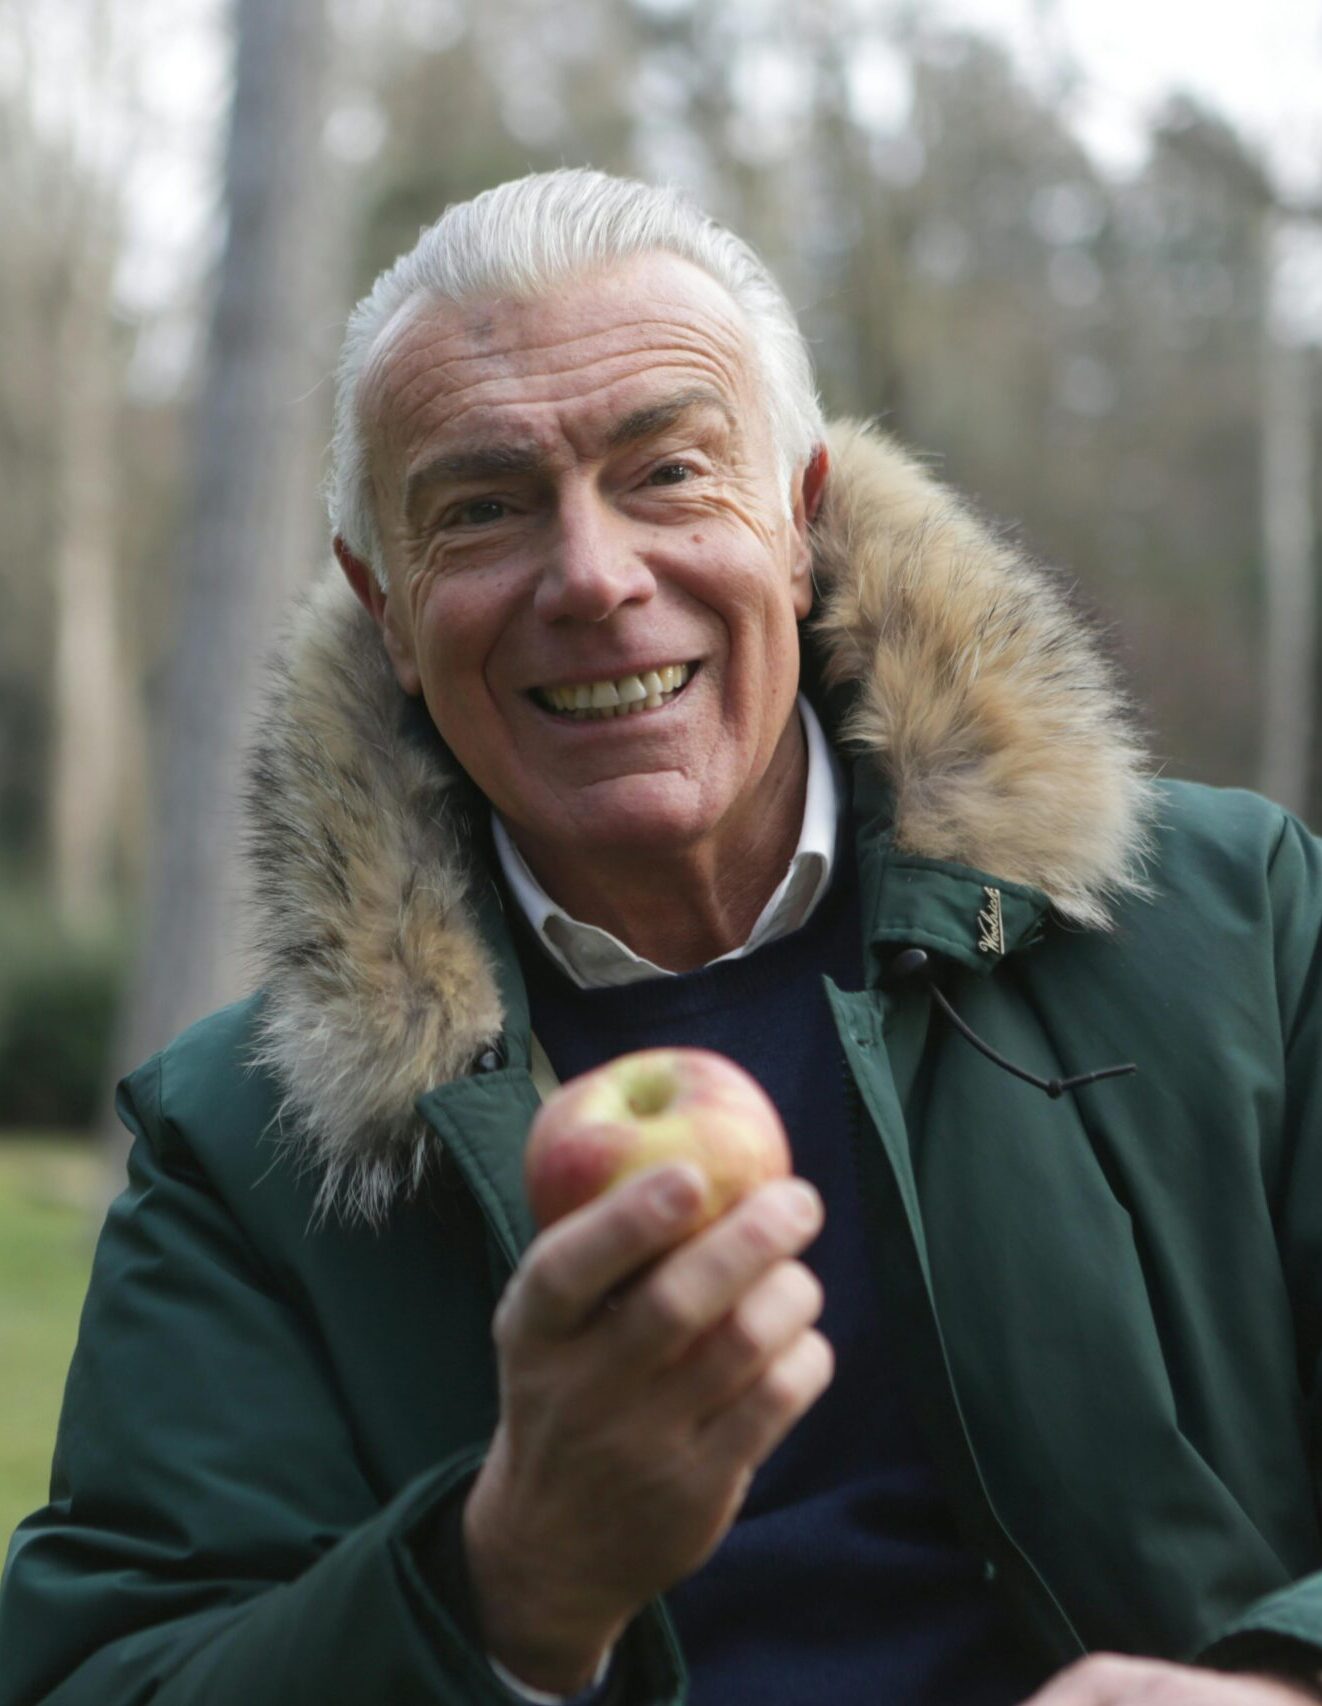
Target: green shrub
<point>57,1013</point>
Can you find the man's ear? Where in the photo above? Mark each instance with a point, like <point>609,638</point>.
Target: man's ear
<point>813,488</point>
<point>809,490</point>
<point>376,601</point>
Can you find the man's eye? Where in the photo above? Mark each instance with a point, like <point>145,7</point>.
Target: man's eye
<point>478,512</point>
<point>669,474</point>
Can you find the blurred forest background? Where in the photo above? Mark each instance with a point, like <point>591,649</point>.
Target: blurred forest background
<point>1123,365</point>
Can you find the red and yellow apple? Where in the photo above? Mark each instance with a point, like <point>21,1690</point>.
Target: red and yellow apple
<point>643,1110</point>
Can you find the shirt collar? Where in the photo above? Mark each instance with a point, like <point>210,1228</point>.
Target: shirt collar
<point>593,958</point>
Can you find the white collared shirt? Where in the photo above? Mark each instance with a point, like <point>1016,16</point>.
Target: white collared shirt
<point>595,959</point>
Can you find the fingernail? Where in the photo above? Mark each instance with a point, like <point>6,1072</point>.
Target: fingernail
<point>675,1193</point>
<point>803,1204</point>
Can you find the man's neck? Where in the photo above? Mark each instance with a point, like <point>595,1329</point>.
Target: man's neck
<point>685,907</point>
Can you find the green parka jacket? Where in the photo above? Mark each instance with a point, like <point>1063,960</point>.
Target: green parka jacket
<point>1112,1301</point>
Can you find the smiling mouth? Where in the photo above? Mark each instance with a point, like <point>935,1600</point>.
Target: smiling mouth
<point>627,695</point>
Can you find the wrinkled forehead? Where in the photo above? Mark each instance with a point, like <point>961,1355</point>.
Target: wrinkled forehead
<point>443,365</point>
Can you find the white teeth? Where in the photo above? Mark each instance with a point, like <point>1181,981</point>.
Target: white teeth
<point>646,691</point>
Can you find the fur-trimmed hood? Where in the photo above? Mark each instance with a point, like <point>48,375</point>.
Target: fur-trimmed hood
<point>983,699</point>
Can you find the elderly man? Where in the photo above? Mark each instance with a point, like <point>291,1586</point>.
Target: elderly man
<point>1019,1369</point>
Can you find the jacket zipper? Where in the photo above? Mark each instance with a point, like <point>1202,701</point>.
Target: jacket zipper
<point>900,1276</point>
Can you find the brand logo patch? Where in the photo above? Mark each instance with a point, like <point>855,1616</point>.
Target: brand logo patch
<point>991,926</point>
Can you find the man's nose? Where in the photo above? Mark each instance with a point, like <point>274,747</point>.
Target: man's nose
<point>592,565</point>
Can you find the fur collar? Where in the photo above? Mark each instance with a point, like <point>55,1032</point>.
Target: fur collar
<point>994,716</point>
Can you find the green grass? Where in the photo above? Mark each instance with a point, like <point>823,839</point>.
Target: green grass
<point>49,1201</point>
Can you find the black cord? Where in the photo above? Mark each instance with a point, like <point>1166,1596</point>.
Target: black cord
<point>913,962</point>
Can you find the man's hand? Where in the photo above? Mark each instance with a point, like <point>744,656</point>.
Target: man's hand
<point>1108,1679</point>
<point>645,1373</point>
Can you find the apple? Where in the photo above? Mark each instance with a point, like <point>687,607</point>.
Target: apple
<point>642,1110</point>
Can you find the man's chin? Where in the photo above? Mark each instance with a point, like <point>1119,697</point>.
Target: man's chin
<point>627,817</point>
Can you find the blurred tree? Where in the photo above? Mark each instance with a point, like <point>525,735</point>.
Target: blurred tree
<point>29,281</point>
<point>69,75</point>
<point>91,695</point>
<point>250,535</point>
<point>1289,538</point>
<point>1191,305</point>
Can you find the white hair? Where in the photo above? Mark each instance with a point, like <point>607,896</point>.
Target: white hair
<point>522,239</point>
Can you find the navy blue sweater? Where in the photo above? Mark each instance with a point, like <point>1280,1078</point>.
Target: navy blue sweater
<point>843,1580</point>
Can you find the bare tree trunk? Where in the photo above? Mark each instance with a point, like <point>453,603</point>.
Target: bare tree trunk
<point>89,690</point>
<point>1288,543</point>
<point>252,534</point>
<point>63,225</point>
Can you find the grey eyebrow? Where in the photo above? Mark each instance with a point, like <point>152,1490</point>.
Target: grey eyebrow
<point>656,417</point>
<point>483,462</point>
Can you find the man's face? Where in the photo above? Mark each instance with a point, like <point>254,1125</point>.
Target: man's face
<point>581,493</point>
